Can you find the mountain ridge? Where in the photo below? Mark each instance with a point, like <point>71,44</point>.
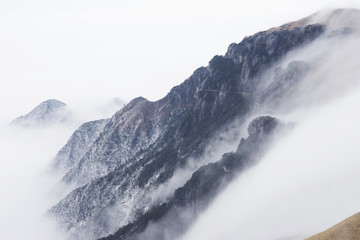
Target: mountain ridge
<point>145,143</point>
<point>204,184</point>
<point>188,116</point>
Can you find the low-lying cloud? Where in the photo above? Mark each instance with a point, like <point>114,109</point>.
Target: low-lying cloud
<point>26,188</point>
<point>306,183</point>
<point>308,180</point>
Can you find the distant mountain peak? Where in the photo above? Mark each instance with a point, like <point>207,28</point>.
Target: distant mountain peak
<point>49,105</point>
<point>49,112</point>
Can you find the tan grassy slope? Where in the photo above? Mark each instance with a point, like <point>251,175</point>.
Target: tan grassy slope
<point>349,229</point>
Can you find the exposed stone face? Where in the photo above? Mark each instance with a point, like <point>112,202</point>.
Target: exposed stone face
<point>264,48</point>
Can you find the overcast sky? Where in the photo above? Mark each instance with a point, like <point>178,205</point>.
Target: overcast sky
<point>86,50</point>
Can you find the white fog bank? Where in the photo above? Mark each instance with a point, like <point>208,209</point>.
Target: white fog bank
<point>305,184</point>
<point>26,188</point>
<point>308,181</point>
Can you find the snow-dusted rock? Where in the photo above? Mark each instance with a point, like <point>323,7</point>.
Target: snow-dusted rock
<point>78,144</point>
<point>47,113</point>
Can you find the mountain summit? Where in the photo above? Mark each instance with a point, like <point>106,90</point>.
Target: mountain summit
<point>46,113</point>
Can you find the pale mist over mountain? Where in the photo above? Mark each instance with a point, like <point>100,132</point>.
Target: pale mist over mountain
<point>258,143</point>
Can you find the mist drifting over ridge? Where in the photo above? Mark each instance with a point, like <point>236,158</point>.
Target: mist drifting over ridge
<point>307,181</point>
<point>300,96</point>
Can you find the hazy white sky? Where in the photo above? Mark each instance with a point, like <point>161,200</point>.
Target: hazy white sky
<point>85,50</point>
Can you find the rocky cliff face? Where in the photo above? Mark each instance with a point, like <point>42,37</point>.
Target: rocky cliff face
<point>264,48</point>
<point>46,113</point>
<point>122,173</point>
<point>133,130</point>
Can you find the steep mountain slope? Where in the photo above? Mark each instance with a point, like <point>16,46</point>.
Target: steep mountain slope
<point>46,113</point>
<point>349,229</point>
<point>146,142</point>
<point>143,146</point>
<point>141,122</point>
<point>78,144</point>
<point>167,220</point>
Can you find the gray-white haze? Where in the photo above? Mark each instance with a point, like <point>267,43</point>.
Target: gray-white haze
<point>309,179</point>
<point>305,184</point>
<point>223,141</point>
<point>26,187</point>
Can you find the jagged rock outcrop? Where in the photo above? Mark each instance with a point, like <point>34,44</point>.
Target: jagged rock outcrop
<point>264,48</point>
<point>47,113</point>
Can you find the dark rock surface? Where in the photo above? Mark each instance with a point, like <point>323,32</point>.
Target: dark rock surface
<point>254,53</point>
